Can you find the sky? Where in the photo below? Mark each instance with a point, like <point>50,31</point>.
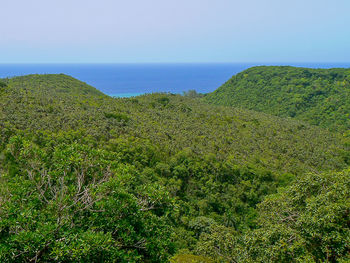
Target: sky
<point>178,31</point>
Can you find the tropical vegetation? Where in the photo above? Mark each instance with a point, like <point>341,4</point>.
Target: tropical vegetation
<point>164,178</point>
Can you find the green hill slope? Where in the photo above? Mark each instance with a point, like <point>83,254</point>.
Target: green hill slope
<point>317,96</point>
<point>51,85</point>
<point>90,178</point>
<point>56,103</point>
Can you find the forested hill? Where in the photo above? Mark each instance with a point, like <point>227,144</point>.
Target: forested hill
<point>54,103</point>
<point>318,96</point>
<point>89,178</point>
<point>51,85</point>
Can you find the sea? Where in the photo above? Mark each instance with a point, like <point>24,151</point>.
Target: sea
<point>128,80</point>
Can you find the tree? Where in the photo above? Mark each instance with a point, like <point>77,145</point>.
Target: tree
<point>305,222</point>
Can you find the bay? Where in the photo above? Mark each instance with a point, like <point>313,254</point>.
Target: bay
<point>126,80</point>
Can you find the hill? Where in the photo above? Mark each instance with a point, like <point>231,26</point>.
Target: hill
<point>90,178</point>
<point>317,96</point>
<point>54,103</point>
<point>51,85</point>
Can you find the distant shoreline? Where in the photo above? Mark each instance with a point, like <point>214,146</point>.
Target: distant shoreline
<point>126,95</point>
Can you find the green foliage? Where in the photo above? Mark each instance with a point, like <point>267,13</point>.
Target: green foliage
<point>70,202</point>
<point>307,221</point>
<point>201,224</point>
<point>2,84</point>
<point>188,258</point>
<point>117,116</point>
<point>192,94</point>
<point>163,100</point>
<point>89,178</point>
<point>317,96</point>
<point>220,243</point>
<point>175,124</point>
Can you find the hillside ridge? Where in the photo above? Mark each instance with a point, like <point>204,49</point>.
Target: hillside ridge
<point>85,177</point>
<point>52,83</point>
<point>318,96</point>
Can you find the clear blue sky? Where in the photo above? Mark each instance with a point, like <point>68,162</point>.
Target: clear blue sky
<point>174,31</point>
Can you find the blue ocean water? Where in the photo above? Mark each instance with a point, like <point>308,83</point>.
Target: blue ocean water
<point>125,80</point>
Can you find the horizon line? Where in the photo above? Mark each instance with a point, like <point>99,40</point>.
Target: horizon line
<point>213,62</point>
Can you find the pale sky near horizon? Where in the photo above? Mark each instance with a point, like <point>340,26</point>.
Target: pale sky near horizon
<point>114,31</point>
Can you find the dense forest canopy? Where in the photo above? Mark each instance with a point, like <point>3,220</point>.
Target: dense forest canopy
<point>163,177</point>
<point>317,96</point>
